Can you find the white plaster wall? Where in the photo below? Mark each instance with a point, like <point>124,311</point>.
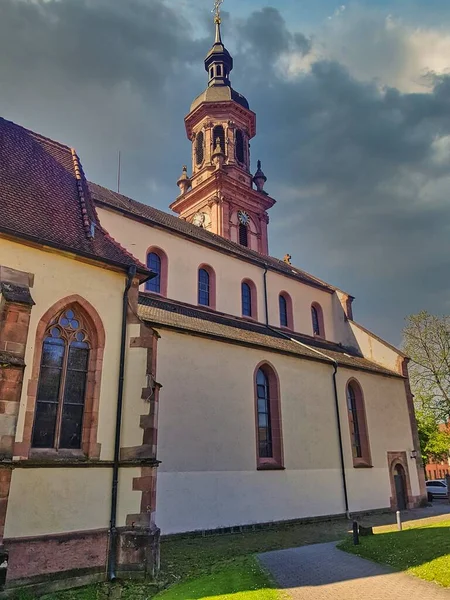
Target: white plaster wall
<point>185,256</point>
<point>207,438</point>
<point>375,349</point>
<point>58,276</point>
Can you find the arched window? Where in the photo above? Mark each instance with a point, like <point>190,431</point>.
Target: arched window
<point>249,304</point>
<point>317,320</point>
<point>358,425</point>
<point>243,235</point>
<point>157,263</point>
<point>203,287</point>
<point>268,418</point>
<point>240,154</point>
<point>199,148</point>
<point>219,132</point>
<point>58,420</point>
<point>286,313</point>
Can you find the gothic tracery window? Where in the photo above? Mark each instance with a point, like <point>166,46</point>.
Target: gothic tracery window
<point>58,421</point>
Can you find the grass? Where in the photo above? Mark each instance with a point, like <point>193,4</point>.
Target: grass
<point>422,551</point>
<point>242,580</point>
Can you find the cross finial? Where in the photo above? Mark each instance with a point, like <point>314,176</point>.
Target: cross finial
<point>216,11</point>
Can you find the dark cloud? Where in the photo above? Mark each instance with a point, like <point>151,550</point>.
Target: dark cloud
<point>361,173</point>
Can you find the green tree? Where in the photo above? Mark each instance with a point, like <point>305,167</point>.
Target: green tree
<point>434,437</point>
<point>427,343</point>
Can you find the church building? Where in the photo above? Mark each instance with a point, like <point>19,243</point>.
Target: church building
<point>162,373</point>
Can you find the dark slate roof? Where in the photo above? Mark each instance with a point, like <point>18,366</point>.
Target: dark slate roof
<point>44,197</point>
<point>223,93</point>
<point>153,216</point>
<point>202,321</point>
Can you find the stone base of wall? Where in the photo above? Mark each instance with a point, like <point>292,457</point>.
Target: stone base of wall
<point>56,562</point>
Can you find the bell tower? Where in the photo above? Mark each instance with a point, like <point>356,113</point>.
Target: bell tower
<point>222,195</point>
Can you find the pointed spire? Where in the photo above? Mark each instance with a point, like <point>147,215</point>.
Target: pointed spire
<point>218,39</point>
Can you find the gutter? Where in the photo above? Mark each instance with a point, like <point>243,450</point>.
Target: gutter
<point>112,549</point>
<point>336,398</point>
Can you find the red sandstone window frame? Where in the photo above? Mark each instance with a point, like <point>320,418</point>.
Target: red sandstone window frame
<point>365,460</point>
<point>164,275</point>
<point>289,311</point>
<point>276,462</point>
<point>90,448</point>
<point>253,300</point>
<point>212,285</point>
<point>316,306</point>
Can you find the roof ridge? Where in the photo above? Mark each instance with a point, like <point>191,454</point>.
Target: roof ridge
<point>37,135</point>
<point>79,176</point>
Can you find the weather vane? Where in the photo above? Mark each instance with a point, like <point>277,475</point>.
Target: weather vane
<point>216,11</point>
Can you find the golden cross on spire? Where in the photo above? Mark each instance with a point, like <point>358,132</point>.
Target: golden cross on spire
<point>216,11</point>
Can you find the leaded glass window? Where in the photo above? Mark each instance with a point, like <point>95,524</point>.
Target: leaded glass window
<point>154,264</point>
<point>246,300</point>
<point>315,320</point>
<point>264,420</point>
<point>283,311</point>
<point>60,400</point>
<point>354,424</point>
<point>203,287</point>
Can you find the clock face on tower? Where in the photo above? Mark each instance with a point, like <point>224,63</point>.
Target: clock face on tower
<point>243,217</point>
<point>199,219</point>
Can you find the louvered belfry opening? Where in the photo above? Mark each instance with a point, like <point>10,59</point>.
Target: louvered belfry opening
<point>199,148</point>
<point>243,235</point>
<point>240,153</point>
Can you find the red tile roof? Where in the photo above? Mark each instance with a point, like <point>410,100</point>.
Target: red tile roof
<point>44,198</point>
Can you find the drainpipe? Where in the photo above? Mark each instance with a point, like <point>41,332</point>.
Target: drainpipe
<point>112,551</point>
<point>336,398</point>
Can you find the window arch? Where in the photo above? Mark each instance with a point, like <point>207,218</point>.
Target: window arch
<point>240,153</point>
<point>249,300</point>
<point>358,425</point>
<point>317,320</point>
<point>219,132</point>
<point>158,263</point>
<point>199,148</point>
<point>64,387</point>
<point>206,286</point>
<point>285,308</point>
<point>269,451</point>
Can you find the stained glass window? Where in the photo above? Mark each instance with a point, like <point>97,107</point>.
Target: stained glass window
<point>203,287</point>
<point>246,300</point>
<point>354,424</point>
<point>264,420</point>
<point>154,264</point>
<point>62,385</point>
<point>283,311</point>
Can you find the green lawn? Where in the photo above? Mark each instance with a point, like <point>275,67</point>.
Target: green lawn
<point>242,580</point>
<point>422,551</point>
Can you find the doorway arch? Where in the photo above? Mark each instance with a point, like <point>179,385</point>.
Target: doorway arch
<point>401,495</point>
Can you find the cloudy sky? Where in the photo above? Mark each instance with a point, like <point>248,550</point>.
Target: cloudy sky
<point>353,106</point>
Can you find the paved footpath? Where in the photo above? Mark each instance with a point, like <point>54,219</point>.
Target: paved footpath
<point>322,572</point>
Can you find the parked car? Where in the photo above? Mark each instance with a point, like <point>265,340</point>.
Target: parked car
<point>437,488</point>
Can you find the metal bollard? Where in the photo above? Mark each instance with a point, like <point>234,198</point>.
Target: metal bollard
<point>355,534</point>
<point>399,520</point>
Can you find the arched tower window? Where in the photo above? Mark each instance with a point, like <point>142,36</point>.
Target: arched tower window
<point>317,320</point>
<point>268,418</point>
<point>243,235</point>
<point>60,399</point>
<point>240,153</point>
<point>219,133</point>
<point>199,148</point>
<point>249,305</point>
<point>157,262</point>
<point>358,425</point>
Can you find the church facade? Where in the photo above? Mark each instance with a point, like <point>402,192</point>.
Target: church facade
<point>164,373</point>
